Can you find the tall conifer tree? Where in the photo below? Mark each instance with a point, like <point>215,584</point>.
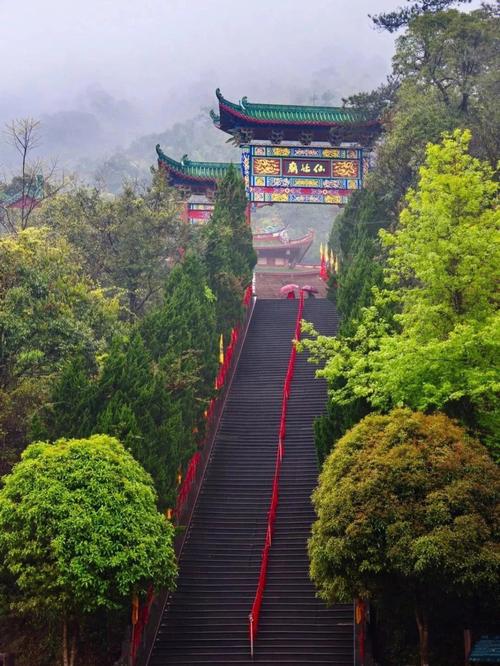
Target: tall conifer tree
<point>229,253</point>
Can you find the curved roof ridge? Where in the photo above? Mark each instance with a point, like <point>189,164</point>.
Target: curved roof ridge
<point>293,112</point>
<point>208,170</point>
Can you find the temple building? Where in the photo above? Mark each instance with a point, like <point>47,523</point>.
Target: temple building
<point>198,178</point>
<point>195,179</point>
<point>299,154</point>
<point>29,198</point>
<point>290,154</point>
<point>275,249</point>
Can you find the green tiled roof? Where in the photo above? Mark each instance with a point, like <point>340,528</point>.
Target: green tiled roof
<point>204,170</point>
<point>293,113</point>
<point>34,190</point>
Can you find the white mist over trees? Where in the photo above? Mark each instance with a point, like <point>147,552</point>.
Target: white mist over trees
<point>124,74</point>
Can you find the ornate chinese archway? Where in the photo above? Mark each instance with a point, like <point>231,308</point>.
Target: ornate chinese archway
<point>199,179</point>
<point>290,154</point>
<point>279,162</point>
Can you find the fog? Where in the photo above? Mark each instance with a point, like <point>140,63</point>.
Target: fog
<point>100,74</point>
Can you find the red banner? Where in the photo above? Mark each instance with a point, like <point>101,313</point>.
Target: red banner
<point>142,617</point>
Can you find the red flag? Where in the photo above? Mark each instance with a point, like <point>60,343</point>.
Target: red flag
<point>323,272</point>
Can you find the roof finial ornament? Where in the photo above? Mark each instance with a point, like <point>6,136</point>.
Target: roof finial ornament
<point>244,101</point>
<point>159,151</point>
<point>184,160</point>
<point>218,94</point>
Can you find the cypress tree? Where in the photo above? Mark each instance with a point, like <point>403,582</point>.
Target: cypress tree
<point>230,210</point>
<point>185,323</point>
<point>182,338</point>
<point>133,403</point>
<point>229,254</point>
<point>363,272</point>
<point>69,412</point>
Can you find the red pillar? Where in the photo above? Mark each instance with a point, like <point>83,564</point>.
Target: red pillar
<point>248,213</point>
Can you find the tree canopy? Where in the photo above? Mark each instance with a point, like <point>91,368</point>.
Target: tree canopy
<point>393,21</point>
<point>127,242</point>
<point>110,319</point>
<point>49,311</point>
<point>444,77</point>
<point>79,530</point>
<point>407,501</point>
<point>229,253</point>
<point>152,385</point>
<point>438,346</point>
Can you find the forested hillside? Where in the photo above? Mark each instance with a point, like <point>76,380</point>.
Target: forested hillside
<point>111,312</point>
<point>417,291</point>
<point>445,68</point>
<point>116,315</point>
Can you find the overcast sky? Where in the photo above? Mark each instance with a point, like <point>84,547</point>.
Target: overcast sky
<point>152,51</point>
<point>137,66</point>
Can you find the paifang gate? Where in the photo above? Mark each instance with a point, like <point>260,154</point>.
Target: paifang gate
<point>289,154</point>
<point>299,154</point>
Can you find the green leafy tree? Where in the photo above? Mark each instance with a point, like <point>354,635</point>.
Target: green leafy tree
<point>448,52</point>
<point>443,78</point>
<point>447,65</point>
<point>69,410</point>
<point>152,386</point>
<point>378,102</point>
<point>442,258</point>
<point>80,532</point>
<point>229,253</point>
<point>125,242</point>
<point>408,501</point>
<point>132,398</point>
<point>393,21</point>
<point>440,351</point>
<point>181,336</point>
<point>49,311</point>
<point>443,266</point>
<point>417,119</point>
<point>362,273</point>
<point>230,208</point>
<point>134,402</point>
<point>227,287</point>
<point>330,427</point>
<point>354,238</point>
<point>186,320</point>
<point>364,215</point>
